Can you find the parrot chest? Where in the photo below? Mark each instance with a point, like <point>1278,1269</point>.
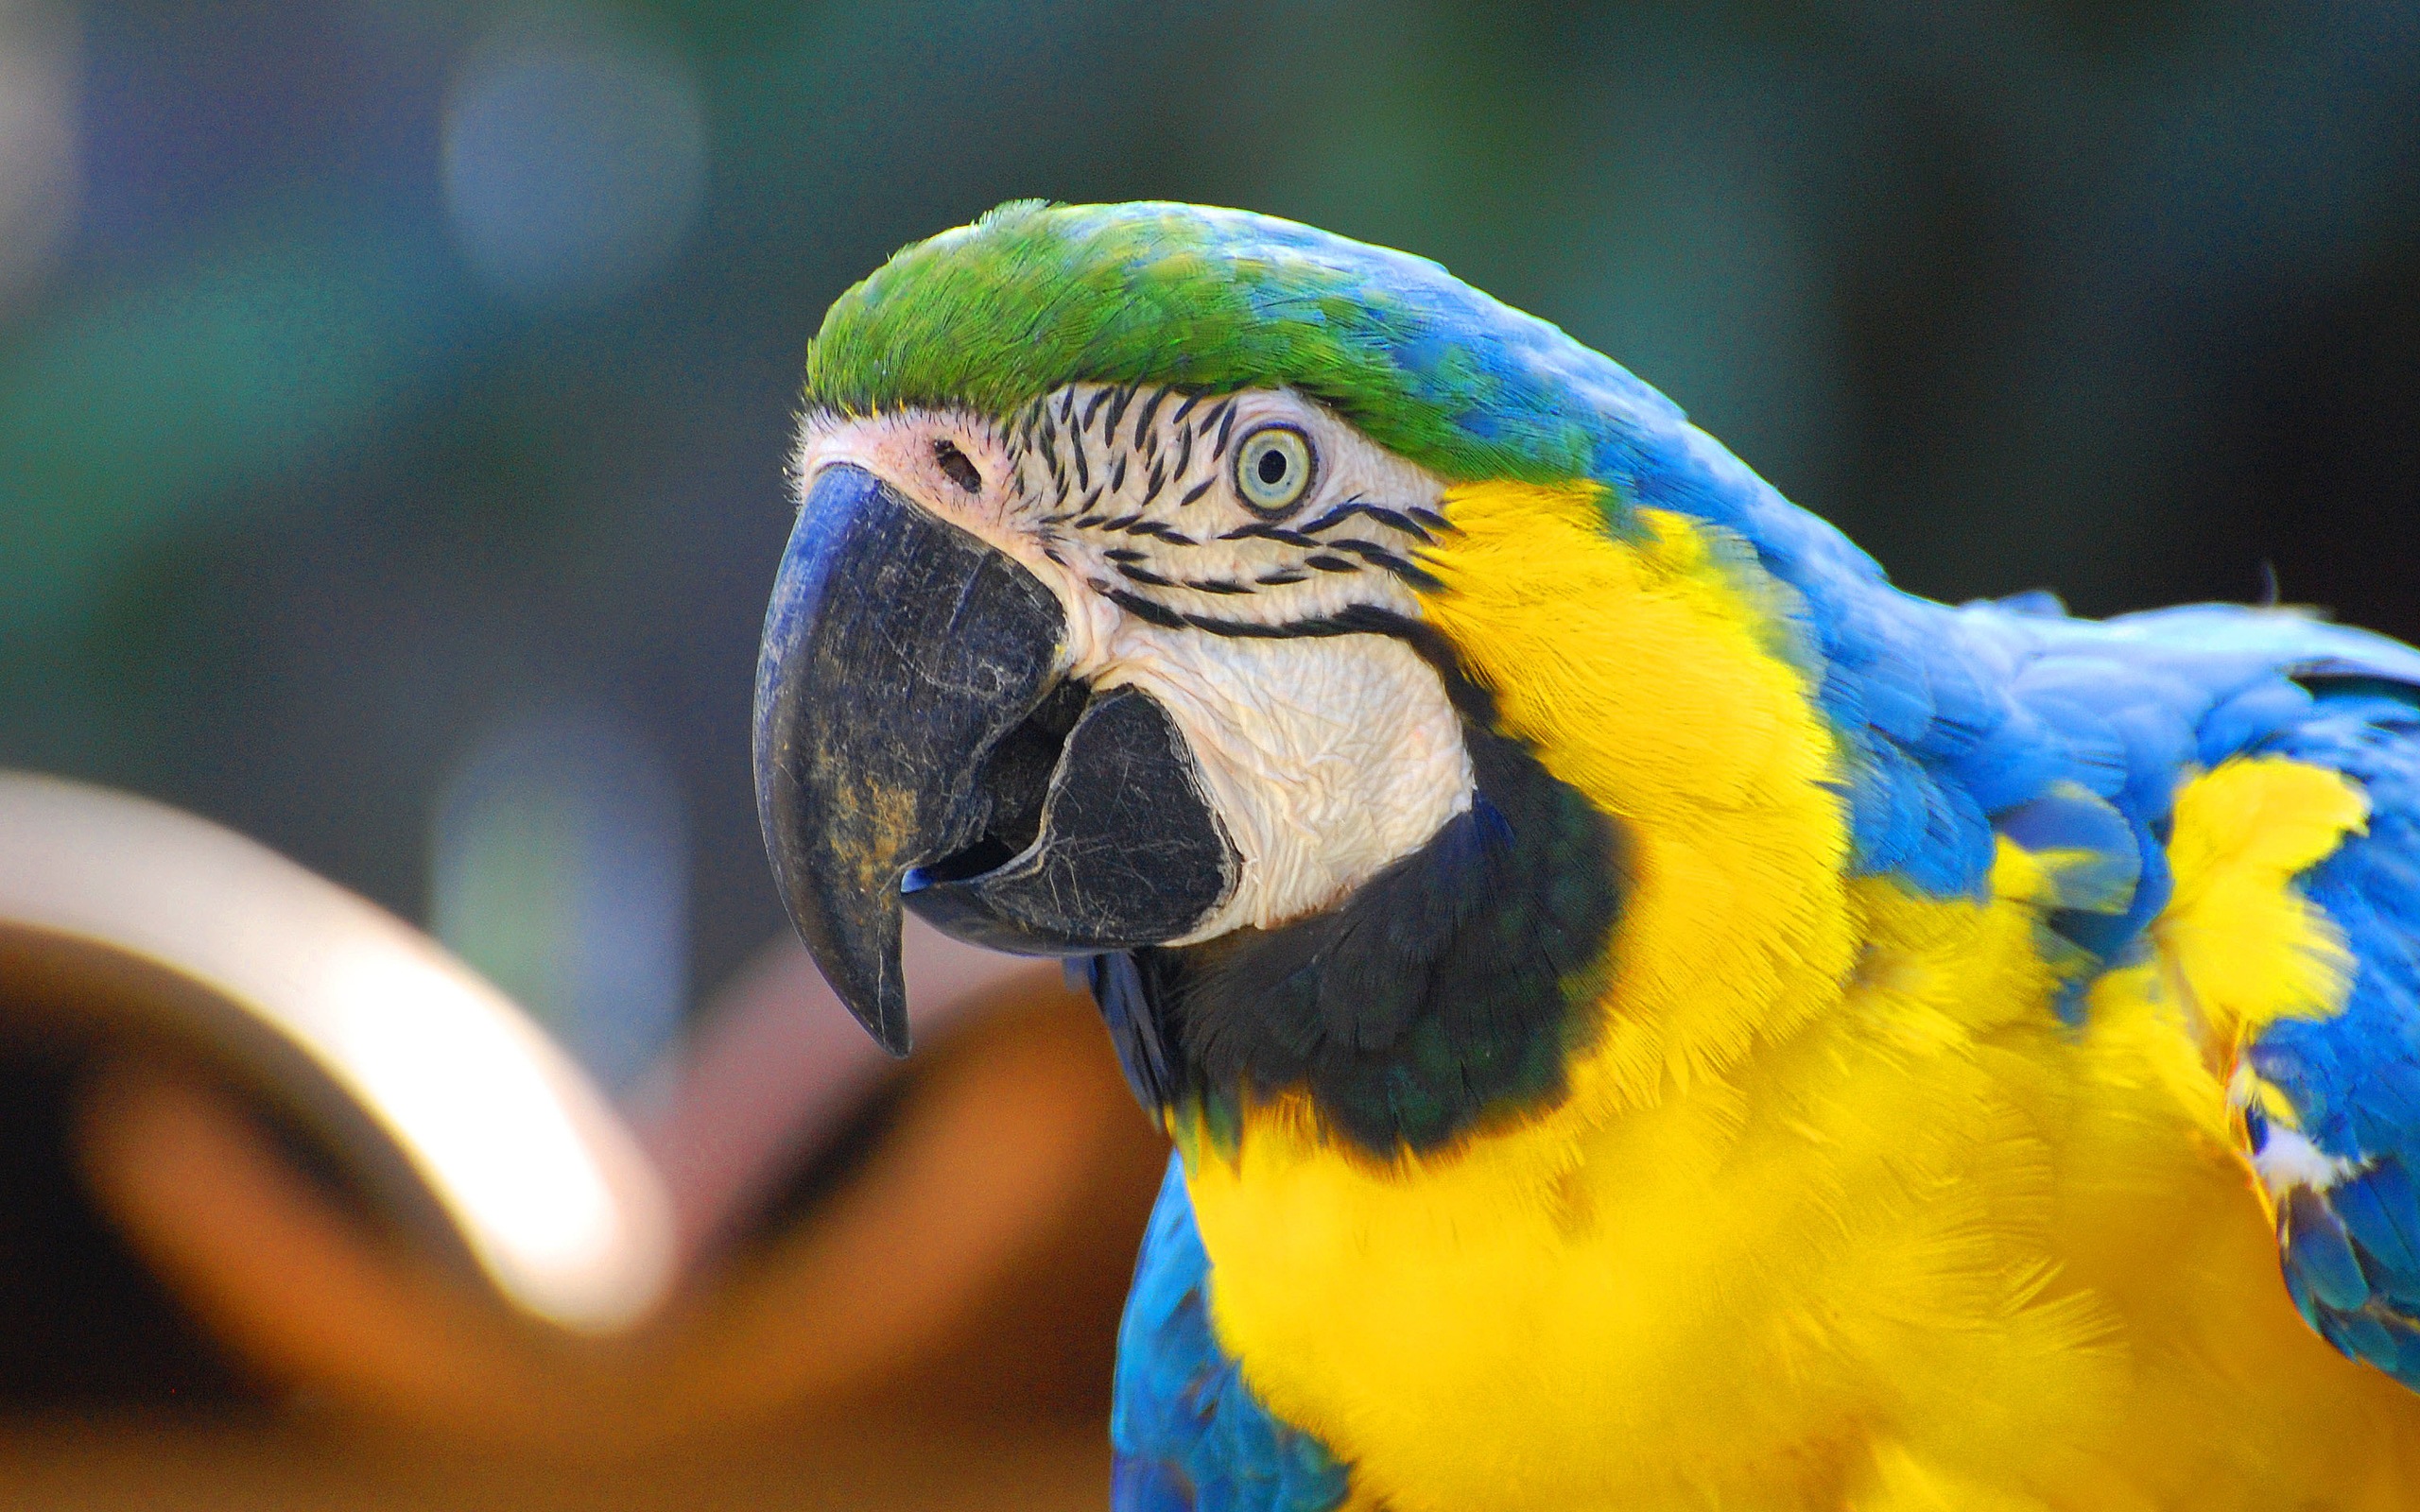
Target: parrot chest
<point>1725,1290</point>
<point>1912,1240</point>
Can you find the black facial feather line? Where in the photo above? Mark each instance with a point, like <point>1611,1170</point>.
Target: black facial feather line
<point>1074,488</point>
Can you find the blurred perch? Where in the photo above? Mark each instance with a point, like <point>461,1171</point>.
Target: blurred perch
<point>111,900</point>
<point>968,1259</point>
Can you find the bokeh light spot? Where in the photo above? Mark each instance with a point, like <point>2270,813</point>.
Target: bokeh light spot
<point>560,871</point>
<point>575,156</point>
<point>39,181</point>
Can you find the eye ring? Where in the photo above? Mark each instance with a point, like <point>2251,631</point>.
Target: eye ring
<point>1274,468</point>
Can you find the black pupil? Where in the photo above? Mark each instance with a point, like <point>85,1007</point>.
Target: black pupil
<point>1272,466</point>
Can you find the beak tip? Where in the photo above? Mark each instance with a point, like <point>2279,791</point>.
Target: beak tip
<point>883,1015</point>
<point>864,973</point>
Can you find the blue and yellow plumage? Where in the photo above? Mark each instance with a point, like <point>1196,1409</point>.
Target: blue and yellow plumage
<point>1974,1011</point>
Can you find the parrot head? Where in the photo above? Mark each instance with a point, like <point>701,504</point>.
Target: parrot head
<point>1106,630</point>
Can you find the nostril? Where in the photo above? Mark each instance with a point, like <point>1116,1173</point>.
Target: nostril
<point>960,470</point>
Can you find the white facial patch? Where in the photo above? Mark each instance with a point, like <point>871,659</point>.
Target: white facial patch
<point>1326,757</point>
<point>1328,751</point>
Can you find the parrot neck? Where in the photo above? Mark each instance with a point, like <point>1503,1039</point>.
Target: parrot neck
<point>1446,990</point>
<point>1650,885</point>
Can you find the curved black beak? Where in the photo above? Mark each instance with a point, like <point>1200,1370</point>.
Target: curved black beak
<point>898,649</point>
<point>913,727</point>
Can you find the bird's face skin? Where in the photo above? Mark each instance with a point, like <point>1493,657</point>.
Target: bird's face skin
<point>1130,667</point>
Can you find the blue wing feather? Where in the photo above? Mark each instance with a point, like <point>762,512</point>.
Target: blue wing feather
<point>1187,1432</point>
<point>2351,1246</point>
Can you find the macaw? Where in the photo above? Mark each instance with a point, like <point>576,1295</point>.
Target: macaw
<point>1648,1014</point>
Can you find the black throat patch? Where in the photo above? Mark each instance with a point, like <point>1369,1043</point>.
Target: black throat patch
<point>1439,994</point>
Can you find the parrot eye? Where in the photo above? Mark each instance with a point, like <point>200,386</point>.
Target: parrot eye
<point>1274,469</point>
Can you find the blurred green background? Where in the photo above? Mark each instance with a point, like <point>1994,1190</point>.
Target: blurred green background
<point>394,396</point>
